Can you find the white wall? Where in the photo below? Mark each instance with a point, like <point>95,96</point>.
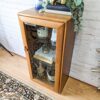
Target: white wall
<point>10,35</point>
<point>84,57</point>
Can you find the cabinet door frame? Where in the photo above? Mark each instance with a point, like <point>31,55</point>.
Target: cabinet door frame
<point>59,26</point>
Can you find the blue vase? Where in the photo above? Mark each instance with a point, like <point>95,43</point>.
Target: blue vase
<point>38,4</point>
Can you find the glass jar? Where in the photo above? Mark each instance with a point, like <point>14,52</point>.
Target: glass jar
<point>42,32</point>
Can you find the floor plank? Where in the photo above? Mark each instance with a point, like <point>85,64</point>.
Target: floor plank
<point>16,67</point>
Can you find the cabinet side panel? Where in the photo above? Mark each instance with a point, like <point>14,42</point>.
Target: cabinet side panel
<point>59,48</point>
<point>68,48</point>
<point>69,38</point>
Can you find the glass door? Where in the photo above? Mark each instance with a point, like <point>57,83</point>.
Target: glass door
<point>42,50</point>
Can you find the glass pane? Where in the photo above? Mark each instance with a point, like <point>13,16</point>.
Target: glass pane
<point>42,50</point>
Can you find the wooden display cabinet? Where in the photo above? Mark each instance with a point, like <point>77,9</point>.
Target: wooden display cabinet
<point>39,67</point>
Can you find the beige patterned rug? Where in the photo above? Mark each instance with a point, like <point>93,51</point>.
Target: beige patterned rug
<point>11,89</point>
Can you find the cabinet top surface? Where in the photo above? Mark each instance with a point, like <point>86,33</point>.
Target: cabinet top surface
<point>46,16</point>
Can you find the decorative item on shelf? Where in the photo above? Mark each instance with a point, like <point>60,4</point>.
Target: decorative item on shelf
<point>51,73</point>
<point>42,34</point>
<point>58,7</point>
<point>34,68</point>
<point>76,10</point>
<point>38,4</point>
<point>63,1</point>
<point>48,58</point>
<point>53,39</point>
<point>45,48</point>
<point>51,2</point>
<point>54,2</point>
<point>53,45</point>
<point>40,71</point>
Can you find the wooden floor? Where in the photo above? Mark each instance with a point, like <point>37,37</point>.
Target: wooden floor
<point>16,67</point>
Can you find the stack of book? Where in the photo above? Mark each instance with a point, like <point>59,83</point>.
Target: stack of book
<point>58,9</point>
<point>48,58</point>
